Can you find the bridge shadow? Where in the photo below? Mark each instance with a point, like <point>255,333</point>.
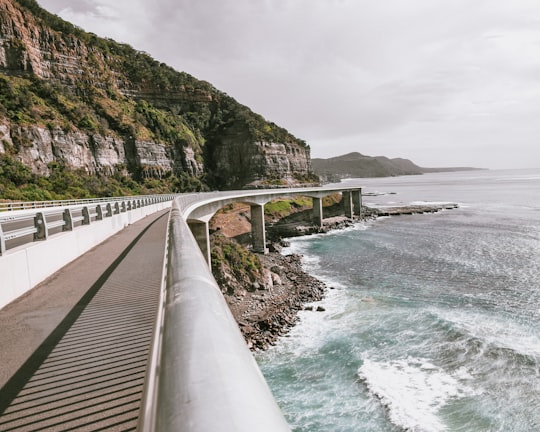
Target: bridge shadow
<point>89,372</point>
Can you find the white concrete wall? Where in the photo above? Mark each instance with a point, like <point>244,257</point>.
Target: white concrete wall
<point>24,267</point>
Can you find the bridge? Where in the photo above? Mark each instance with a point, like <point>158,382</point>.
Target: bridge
<point>133,334</point>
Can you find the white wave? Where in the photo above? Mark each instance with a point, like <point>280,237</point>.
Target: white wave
<point>496,331</point>
<point>413,390</point>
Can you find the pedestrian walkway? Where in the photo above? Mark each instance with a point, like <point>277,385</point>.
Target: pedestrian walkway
<point>73,351</point>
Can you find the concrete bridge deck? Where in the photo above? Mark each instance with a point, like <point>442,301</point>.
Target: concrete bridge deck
<point>73,351</point>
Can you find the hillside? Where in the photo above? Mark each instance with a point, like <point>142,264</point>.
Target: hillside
<point>71,101</point>
<point>356,165</point>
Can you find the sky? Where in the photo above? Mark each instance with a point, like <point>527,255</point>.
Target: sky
<point>441,82</point>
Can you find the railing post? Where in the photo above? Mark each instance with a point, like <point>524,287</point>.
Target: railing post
<point>86,216</point>
<point>68,219</point>
<point>123,207</point>
<point>116,208</point>
<point>2,241</point>
<point>129,205</point>
<point>99,212</point>
<point>109,210</point>
<point>41,226</point>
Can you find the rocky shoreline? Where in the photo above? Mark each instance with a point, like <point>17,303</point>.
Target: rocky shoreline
<point>267,308</point>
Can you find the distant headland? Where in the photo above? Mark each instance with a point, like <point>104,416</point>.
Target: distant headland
<point>357,165</point>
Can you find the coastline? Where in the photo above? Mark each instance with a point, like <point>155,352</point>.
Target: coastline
<point>267,308</point>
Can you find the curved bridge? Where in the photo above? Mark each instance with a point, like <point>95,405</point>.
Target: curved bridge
<point>184,368</point>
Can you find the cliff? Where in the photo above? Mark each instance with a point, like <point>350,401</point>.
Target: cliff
<point>71,98</point>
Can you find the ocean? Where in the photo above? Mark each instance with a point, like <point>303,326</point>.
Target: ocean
<point>432,322</point>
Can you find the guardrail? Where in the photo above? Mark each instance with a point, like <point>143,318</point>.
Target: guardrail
<point>24,205</point>
<point>23,222</point>
<point>202,376</point>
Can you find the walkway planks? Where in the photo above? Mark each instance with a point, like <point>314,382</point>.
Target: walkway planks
<point>88,373</point>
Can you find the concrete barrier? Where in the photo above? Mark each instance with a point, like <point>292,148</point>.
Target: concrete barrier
<point>26,266</point>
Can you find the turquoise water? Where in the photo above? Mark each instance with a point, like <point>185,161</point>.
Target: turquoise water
<point>433,322</point>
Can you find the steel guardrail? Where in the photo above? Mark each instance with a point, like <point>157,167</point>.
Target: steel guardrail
<point>24,205</point>
<point>202,376</point>
<point>208,379</point>
<point>33,221</point>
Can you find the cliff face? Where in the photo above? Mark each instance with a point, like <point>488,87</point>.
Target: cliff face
<point>70,97</point>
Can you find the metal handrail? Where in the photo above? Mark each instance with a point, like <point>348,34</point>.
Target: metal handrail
<point>208,379</point>
<point>24,205</point>
<point>91,210</point>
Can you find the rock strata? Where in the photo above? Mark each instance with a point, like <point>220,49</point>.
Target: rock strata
<point>105,108</point>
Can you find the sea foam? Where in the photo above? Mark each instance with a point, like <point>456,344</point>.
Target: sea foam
<point>413,391</point>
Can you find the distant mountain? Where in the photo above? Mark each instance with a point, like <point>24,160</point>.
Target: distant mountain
<point>353,165</point>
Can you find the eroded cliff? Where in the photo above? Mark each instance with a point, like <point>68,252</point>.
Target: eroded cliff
<point>70,97</point>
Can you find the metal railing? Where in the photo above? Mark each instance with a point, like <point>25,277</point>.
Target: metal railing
<point>26,222</point>
<point>208,379</point>
<point>24,205</point>
<point>201,375</point>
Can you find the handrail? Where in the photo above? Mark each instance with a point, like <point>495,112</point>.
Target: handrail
<point>208,379</point>
<point>23,205</point>
<point>91,210</point>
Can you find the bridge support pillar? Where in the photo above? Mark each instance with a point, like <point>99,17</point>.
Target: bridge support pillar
<point>258,234</point>
<point>201,234</point>
<point>357,202</point>
<point>347,203</point>
<point>317,211</point>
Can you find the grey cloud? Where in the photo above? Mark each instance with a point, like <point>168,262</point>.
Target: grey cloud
<point>391,75</point>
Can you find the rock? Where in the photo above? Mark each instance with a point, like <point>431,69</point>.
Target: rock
<point>320,309</point>
<point>276,279</point>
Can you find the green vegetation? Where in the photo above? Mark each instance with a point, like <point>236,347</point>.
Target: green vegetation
<point>281,208</point>
<point>240,262</point>
<point>18,183</point>
<point>278,209</point>
<point>122,93</point>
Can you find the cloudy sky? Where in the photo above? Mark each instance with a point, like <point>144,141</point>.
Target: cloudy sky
<point>440,82</point>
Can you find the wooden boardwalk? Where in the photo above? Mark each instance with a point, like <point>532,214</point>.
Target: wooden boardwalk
<point>73,351</point>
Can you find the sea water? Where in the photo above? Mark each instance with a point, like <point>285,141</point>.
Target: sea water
<point>433,321</point>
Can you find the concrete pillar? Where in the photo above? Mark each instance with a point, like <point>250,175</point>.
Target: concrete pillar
<point>258,234</point>
<point>201,234</point>
<point>347,203</point>
<point>357,202</point>
<point>317,211</point>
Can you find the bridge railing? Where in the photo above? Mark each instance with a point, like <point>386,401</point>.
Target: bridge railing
<point>25,205</point>
<point>202,376</point>
<point>25,222</point>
